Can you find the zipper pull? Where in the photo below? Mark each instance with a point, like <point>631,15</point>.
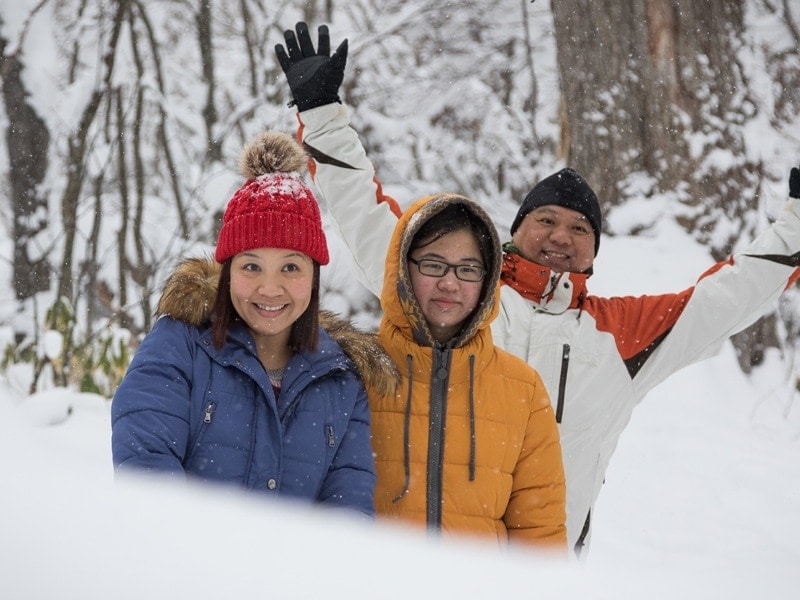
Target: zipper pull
<point>331,438</point>
<point>207,416</point>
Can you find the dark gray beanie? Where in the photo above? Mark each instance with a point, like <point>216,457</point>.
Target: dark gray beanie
<point>568,189</point>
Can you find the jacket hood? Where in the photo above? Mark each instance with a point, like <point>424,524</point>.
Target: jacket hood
<point>190,292</point>
<point>399,304</point>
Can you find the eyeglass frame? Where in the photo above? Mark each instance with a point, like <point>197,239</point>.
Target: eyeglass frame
<point>448,266</point>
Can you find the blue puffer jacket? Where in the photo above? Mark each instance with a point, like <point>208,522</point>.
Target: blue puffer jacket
<point>186,408</point>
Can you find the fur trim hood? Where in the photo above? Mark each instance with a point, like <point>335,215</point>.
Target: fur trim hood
<point>189,296</point>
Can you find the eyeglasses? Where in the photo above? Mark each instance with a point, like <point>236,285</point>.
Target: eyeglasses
<point>437,268</point>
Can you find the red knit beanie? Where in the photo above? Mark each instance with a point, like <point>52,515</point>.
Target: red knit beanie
<point>273,208</point>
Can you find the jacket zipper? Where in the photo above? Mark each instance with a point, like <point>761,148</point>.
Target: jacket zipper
<point>208,414</point>
<point>197,432</point>
<point>440,376</point>
<point>562,382</point>
<point>331,437</point>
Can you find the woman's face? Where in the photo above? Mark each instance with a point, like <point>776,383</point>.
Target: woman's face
<point>447,301</point>
<point>270,289</point>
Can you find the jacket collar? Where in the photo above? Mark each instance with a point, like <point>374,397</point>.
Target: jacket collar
<point>551,291</point>
<point>191,290</point>
<point>240,349</point>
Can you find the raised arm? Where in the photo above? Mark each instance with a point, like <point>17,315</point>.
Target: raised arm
<point>364,217</point>
<point>731,295</point>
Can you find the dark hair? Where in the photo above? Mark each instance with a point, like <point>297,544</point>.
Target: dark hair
<point>456,217</point>
<point>305,331</point>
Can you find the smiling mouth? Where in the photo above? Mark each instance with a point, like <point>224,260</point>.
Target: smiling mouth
<point>556,255</point>
<point>266,308</point>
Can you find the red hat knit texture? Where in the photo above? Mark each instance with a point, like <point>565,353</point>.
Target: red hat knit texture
<point>276,210</point>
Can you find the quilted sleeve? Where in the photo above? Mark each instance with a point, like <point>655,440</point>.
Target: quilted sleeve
<point>363,215</point>
<point>150,409</point>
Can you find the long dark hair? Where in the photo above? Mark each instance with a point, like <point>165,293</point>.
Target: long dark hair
<point>304,335</point>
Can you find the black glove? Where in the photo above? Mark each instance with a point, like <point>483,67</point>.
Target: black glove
<point>794,183</point>
<point>314,77</point>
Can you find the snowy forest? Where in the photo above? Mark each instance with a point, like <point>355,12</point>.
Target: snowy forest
<point>123,120</point>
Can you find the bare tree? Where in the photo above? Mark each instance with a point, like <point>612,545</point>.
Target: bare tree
<point>28,141</point>
<point>77,148</point>
<point>639,79</point>
<point>162,96</point>
<point>204,41</point>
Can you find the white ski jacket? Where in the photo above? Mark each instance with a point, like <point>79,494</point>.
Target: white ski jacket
<point>598,357</point>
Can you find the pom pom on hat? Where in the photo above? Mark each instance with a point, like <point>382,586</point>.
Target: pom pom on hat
<point>273,208</point>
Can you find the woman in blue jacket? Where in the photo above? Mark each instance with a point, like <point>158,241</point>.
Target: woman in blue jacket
<point>237,382</point>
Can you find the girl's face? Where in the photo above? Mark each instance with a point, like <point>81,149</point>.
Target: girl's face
<point>447,301</point>
<point>270,289</point>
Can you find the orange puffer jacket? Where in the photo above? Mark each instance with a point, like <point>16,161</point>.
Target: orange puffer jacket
<point>469,444</point>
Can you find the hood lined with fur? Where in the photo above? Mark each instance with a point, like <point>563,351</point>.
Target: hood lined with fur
<point>190,292</point>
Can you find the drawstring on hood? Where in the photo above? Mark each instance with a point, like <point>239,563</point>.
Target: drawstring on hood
<point>407,425</point>
<point>472,417</point>
<point>407,430</point>
<point>403,320</point>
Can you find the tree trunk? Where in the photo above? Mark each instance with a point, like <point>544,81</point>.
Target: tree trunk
<point>207,61</point>
<point>638,79</point>
<point>77,152</point>
<point>27,140</point>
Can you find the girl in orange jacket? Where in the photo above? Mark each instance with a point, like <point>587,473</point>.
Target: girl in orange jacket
<point>469,444</point>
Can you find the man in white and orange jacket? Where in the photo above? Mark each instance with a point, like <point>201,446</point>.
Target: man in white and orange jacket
<point>598,357</point>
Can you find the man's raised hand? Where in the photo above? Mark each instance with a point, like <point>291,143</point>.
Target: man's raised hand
<point>314,76</point>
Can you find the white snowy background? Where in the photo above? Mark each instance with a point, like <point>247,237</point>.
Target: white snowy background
<point>702,499</point>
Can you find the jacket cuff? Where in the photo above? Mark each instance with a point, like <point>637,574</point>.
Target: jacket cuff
<point>317,118</point>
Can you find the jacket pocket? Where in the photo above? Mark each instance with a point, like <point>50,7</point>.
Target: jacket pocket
<point>224,430</point>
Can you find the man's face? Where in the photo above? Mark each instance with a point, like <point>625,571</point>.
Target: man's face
<point>556,237</point>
